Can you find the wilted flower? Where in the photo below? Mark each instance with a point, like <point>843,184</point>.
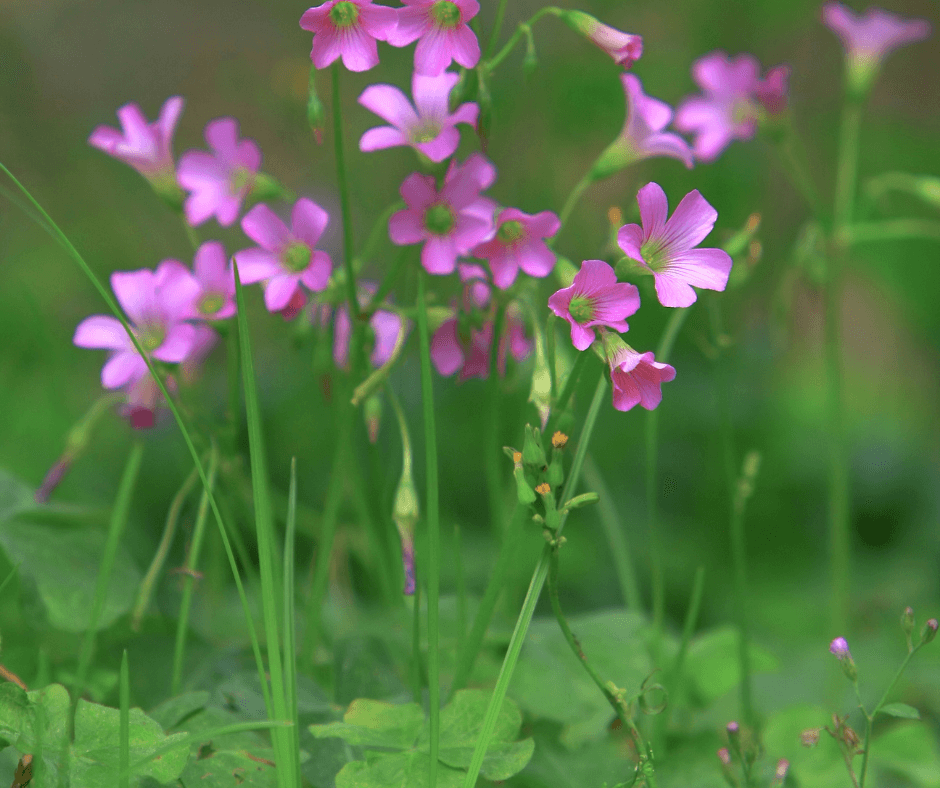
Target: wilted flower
<point>666,248</point>
<point>156,303</point>
<point>445,35</point>
<point>285,258</point>
<point>348,29</point>
<point>868,39</point>
<point>642,136</point>
<point>519,242</point>
<point>595,298</point>
<point>219,181</point>
<point>144,146</point>
<point>450,221</point>
<point>432,130</point>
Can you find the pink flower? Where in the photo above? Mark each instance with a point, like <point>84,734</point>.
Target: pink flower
<point>144,146</point>
<point>519,243</point>
<point>476,291</point>
<point>624,48</point>
<point>442,27</point>
<point>385,327</point>
<point>218,182</point>
<point>451,221</point>
<point>637,378</point>
<point>595,298</point>
<point>870,38</point>
<point>840,648</point>
<point>772,90</point>
<point>348,28</point>
<point>285,258</point>
<point>469,352</point>
<point>666,248</point>
<point>217,283</point>
<point>642,136</point>
<point>727,110</point>
<point>432,130</point>
<point>144,401</point>
<point>156,304</point>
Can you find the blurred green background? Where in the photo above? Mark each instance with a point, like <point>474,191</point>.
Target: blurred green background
<point>66,66</point>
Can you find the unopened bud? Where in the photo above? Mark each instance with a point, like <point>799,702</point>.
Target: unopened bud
<point>724,756</point>
<point>929,632</point>
<point>780,773</point>
<point>585,499</point>
<point>372,412</point>
<point>532,451</point>
<point>907,621</point>
<point>840,648</point>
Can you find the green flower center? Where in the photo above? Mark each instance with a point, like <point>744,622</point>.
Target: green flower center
<point>445,13</point>
<point>151,337</point>
<point>744,111</point>
<point>242,178</point>
<point>427,132</point>
<point>581,309</point>
<point>344,14</point>
<point>652,252</point>
<point>211,303</point>
<point>297,257</point>
<point>439,219</point>
<point>510,231</point>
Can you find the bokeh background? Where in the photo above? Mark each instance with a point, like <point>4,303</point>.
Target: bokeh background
<point>66,66</point>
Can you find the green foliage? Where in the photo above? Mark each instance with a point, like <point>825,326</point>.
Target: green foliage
<point>396,742</point>
<point>37,722</point>
<point>712,663</point>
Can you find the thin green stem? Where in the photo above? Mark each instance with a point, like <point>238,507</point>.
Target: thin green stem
<point>414,669</point>
<point>516,37</point>
<point>494,452</point>
<point>576,193</point>
<point>893,230</point>
<point>116,526</point>
<point>233,373</point>
<point>124,725</point>
<point>847,163</point>
<point>793,166</point>
<point>192,561</point>
<point>460,584</point>
<point>343,183</point>
<point>391,278</point>
<point>163,549</point>
<point>191,234</point>
<point>532,595</point>
<point>433,527</point>
<point>571,383</point>
<point>290,623</point>
<point>497,26</point>
<point>616,537</point>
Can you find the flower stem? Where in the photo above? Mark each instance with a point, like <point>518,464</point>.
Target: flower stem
<point>566,393</point>
<point>494,454</point>
<point>893,230</point>
<point>497,25</point>
<point>433,527</point>
<point>494,61</point>
<point>576,193</point>
<point>532,595</point>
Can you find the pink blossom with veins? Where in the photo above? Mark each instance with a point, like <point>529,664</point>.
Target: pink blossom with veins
<point>870,38</point>
<point>144,146</point>
<point>285,258</point>
<point>642,136</point>
<point>519,242</point>
<point>451,221</point>
<point>441,26</point>
<point>595,298</point>
<point>218,182</point>
<point>156,304</point>
<point>637,378</point>
<point>432,130</point>
<point>727,110</point>
<point>348,29</point>
<point>666,248</point>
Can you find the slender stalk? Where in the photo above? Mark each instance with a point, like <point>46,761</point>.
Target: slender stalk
<point>571,384</point>
<point>493,62</point>
<point>494,453</point>
<point>497,25</point>
<point>124,725</point>
<point>847,164</point>
<point>616,538</point>
<point>793,166</point>
<point>893,230</point>
<point>576,193</point>
<point>343,184</point>
<point>290,622</point>
<point>414,671</point>
<point>166,541</point>
<point>433,528</point>
<point>118,522</point>
<point>189,582</point>
<point>233,373</point>
<point>532,595</point>
<point>460,583</point>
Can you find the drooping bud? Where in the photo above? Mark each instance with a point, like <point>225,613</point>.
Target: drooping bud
<point>623,48</point>
<point>929,632</point>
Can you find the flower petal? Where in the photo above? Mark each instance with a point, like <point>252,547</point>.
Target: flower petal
<point>265,228</point>
<point>101,332</point>
<point>390,104</point>
<point>693,219</point>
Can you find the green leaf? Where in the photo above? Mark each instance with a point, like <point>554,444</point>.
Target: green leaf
<point>173,711</point>
<point>371,723</point>
<point>28,719</point>
<point>63,564</point>
<point>712,663</point>
<point>901,710</point>
<point>911,750</point>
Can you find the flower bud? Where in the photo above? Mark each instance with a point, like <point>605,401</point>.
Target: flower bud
<point>624,48</point>
<point>840,648</point>
<point>524,492</point>
<point>780,773</point>
<point>907,621</point>
<point>532,451</point>
<point>929,632</point>
<point>316,112</point>
<point>372,413</point>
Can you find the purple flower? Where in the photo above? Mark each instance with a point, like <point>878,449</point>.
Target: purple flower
<point>869,39</point>
<point>453,349</point>
<point>156,304</point>
<point>285,258</point>
<point>144,146</point>
<point>624,48</point>
<point>637,378</point>
<point>595,298</point>
<point>445,35</point>
<point>666,248</point>
<point>218,182</point>
<point>727,110</point>
<point>216,280</point>
<point>772,90</point>
<point>642,136</point>
<point>431,130</point>
<point>348,28</point>
<point>840,648</point>
<point>519,243</point>
<point>451,221</point>
<point>386,328</point>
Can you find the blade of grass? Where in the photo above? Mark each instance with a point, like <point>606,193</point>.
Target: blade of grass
<point>290,648</point>
<point>124,726</point>
<point>271,587</point>
<point>532,596</point>
<point>115,529</point>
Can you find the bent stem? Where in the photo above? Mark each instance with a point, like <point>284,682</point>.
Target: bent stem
<point>532,595</point>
